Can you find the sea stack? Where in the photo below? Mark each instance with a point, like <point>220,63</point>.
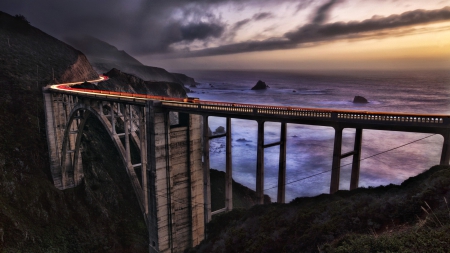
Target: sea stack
<point>360,100</point>
<point>260,85</point>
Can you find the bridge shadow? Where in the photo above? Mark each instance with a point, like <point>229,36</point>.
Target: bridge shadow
<point>107,187</point>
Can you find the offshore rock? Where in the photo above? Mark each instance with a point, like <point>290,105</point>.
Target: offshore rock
<point>220,130</point>
<point>360,100</point>
<point>260,85</point>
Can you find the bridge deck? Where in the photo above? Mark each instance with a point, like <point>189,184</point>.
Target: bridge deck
<point>406,122</point>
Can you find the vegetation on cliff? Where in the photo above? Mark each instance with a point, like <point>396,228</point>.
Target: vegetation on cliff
<point>100,215</point>
<point>412,217</point>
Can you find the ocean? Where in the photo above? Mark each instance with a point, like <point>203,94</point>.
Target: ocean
<point>310,148</point>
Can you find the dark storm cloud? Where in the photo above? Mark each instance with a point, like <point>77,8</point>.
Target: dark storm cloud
<point>315,32</point>
<point>200,31</point>
<point>241,23</point>
<point>256,17</point>
<point>322,13</point>
<point>243,47</point>
<point>312,32</point>
<point>266,45</point>
<point>138,26</point>
<point>262,15</point>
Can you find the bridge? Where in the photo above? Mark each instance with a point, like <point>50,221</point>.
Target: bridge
<point>171,179</point>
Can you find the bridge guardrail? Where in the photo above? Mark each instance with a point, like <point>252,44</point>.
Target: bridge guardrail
<point>286,111</point>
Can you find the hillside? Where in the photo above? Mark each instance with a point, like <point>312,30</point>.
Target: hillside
<point>243,197</point>
<point>26,60</point>
<point>412,217</point>
<point>119,80</point>
<point>100,215</point>
<point>105,57</point>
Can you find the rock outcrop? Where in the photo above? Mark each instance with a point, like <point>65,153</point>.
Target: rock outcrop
<point>220,130</point>
<point>120,81</point>
<point>260,85</point>
<point>186,80</point>
<point>360,100</point>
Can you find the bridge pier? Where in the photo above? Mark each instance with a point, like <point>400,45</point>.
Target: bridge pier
<point>170,190</point>
<point>445,156</point>
<point>228,166</point>
<point>354,180</point>
<point>337,156</point>
<point>281,194</point>
<point>336,166</point>
<point>206,168</point>
<point>260,164</point>
<point>229,170</point>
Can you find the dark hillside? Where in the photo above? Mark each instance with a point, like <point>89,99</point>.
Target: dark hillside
<point>100,215</point>
<point>243,197</point>
<point>412,217</point>
<point>29,56</point>
<point>119,80</point>
<point>105,57</point>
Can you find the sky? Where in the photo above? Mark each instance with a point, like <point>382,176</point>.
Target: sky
<point>257,34</point>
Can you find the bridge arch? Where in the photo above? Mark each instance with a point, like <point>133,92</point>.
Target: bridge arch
<point>75,114</point>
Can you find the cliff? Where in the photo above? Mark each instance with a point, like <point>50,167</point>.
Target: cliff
<point>184,79</point>
<point>119,80</point>
<point>30,56</point>
<point>100,215</point>
<point>105,57</point>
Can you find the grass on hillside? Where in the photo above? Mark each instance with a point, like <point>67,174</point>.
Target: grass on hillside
<point>382,219</point>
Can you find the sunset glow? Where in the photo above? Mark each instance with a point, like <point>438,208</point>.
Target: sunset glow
<point>250,34</point>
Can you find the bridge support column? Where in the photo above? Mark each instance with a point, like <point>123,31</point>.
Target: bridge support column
<point>143,145</point>
<point>260,164</point>
<point>206,168</point>
<point>336,167</point>
<point>126,124</point>
<point>354,181</point>
<point>281,195</point>
<point>229,171</point>
<point>445,156</point>
<point>52,127</point>
<point>113,118</point>
<point>158,197</point>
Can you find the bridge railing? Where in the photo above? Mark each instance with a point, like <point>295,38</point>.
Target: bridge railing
<point>286,111</point>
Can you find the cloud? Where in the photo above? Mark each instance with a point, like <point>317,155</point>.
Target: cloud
<point>200,31</point>
<point>133,25</point>
<point>317,32</point>
<point>313,32</point>
<point>322,13</point>
<point>251,46</point>
<point>262,15</point>
<point>302,5</point>
<point>239,24</point>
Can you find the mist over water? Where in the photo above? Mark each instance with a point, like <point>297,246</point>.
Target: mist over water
<point>310,148</point>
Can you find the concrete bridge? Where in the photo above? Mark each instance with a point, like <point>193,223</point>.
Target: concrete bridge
<point>174,189</point>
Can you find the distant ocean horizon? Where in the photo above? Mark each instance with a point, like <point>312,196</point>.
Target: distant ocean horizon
<point>310,148</point>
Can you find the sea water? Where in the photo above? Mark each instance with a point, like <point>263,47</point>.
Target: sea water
<point>310,148</point>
